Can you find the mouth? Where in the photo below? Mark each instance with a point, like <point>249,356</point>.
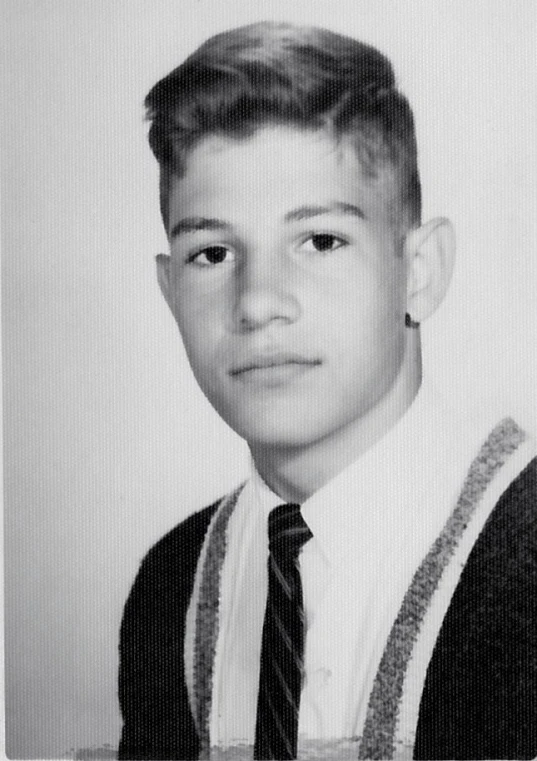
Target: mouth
<point>273,369</point>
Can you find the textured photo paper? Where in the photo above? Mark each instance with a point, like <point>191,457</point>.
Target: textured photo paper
<point>417,575</point>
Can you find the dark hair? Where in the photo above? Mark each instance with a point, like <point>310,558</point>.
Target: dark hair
<point>276,73</point>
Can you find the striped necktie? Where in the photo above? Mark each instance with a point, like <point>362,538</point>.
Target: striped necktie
<point>282,647</point>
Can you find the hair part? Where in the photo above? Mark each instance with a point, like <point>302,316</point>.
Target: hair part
<point>268,74</point>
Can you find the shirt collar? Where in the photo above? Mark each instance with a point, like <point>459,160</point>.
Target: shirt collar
<point>405,480</point>
<point>260,493</point>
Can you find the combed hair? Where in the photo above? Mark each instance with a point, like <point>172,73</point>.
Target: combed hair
<point>281,74</point>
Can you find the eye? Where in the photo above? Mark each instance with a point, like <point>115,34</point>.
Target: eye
<point>323,242</point>
<point>211,256</point>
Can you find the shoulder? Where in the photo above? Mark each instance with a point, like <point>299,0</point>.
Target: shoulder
<point>513,523</point>
<point>516,506</point>
<point>173,557</point>
<point>151,682</point>
<point>186,537</point>
<point>485,656</point>
<point>159,598</point>
<point>524,486</point>
<point>504,474</point>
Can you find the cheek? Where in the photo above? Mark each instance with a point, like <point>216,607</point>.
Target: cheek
<point>201,332</point>
<point>367,300</point>
<point>196,338</point>
<point>366,321</point>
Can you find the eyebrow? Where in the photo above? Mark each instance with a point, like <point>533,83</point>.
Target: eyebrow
<point>307,212</point>
<point>196,224</point>
<point>193,224</point>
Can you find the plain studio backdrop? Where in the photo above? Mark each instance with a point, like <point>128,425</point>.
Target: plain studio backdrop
<point>108,441</point>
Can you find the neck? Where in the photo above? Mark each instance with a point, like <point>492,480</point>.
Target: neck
<point>294,474</point>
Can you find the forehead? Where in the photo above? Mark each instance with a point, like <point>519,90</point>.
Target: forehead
<point>277,167</point>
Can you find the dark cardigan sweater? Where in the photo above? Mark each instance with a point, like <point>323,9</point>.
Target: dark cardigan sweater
<point>480,695</point>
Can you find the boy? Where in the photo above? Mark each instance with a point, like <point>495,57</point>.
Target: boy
<point>370,591</point>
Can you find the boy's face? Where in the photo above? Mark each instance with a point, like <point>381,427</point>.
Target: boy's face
<point>285,283</point>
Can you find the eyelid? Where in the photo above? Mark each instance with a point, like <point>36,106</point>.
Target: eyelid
<point>193,256</point>
<point>340,238</point>
<point>340,234</point>
<point>190,256</point>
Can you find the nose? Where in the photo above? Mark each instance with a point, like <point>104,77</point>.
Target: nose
<point>264,294</point>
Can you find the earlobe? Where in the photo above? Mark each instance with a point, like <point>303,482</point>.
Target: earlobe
<point>430,253</point>
<point>163,276</point>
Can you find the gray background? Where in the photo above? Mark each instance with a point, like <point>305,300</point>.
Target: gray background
<point>108,442</point>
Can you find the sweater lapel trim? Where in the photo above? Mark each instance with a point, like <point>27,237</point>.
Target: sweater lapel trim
<point>379,735</point>
<point>200,643</point>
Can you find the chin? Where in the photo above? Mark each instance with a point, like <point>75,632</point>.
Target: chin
<point>271,432</point>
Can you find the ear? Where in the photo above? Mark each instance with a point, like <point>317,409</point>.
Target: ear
<point>430,255</point>
<point>163,276</point>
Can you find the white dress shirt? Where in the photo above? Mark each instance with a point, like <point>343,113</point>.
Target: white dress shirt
<point>372,525</point>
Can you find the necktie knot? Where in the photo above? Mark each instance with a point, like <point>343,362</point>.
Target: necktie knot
<point>288,531</point>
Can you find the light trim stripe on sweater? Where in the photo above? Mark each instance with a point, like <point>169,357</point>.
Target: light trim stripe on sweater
<point>378,738</point>
<point>379,734</point>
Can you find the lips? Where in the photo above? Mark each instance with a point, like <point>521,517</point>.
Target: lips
<point>274,361</point>
<point>273,369</point>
